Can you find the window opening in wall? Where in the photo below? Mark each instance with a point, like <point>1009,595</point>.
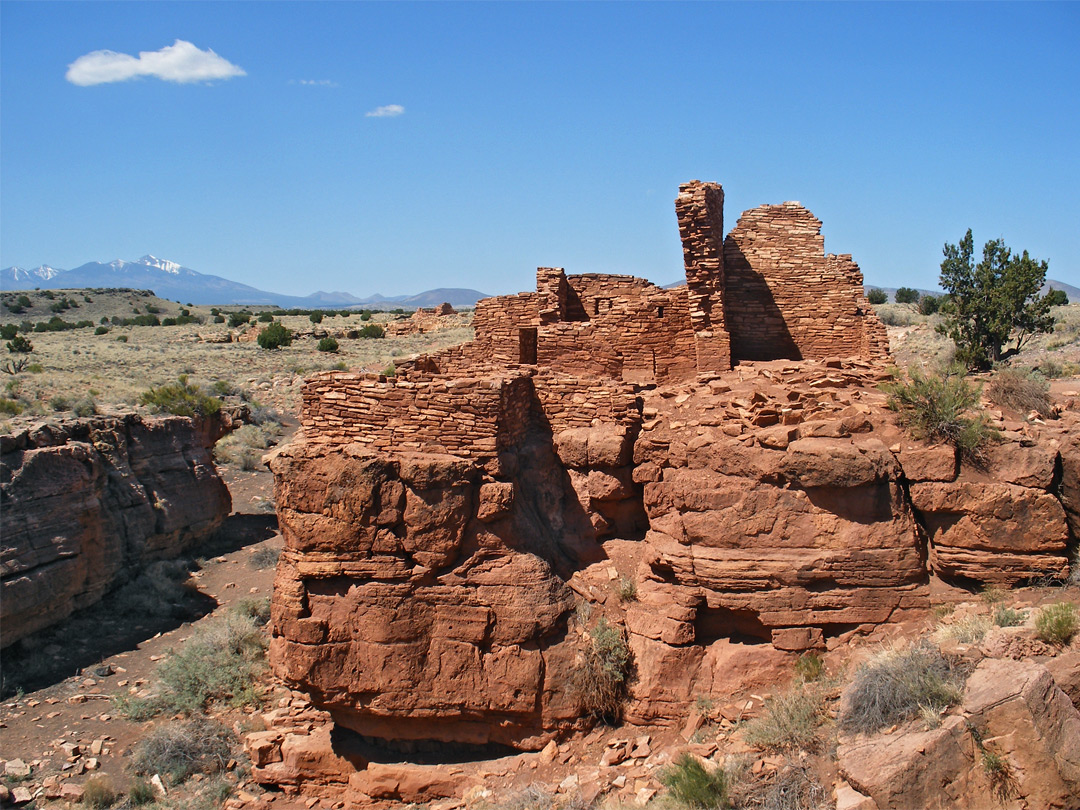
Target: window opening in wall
<point>659,312</point>
<point>527,345</point>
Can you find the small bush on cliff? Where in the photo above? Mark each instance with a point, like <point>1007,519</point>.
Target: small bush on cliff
<point>180,749</point>
<point>181,399</point>
<point>1020,391</point>
<point>897,684</point>
<point>941,407</point>
<point>1057,623</point>
<point>691,785</point>
<point>876,296</point>
<point>790,720</point>
<point>599,684</point>
<point>275,336</point>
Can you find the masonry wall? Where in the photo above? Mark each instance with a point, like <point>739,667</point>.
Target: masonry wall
<point>498,322</point>
<point>700,211</point>
<point>468,417</point>
<point>784,298</point>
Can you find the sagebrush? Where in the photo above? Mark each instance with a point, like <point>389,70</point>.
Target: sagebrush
<point>180,748</point>
<point>599,684</point>
<point>895,685</point>
<point>942,407</point>
<point>691,785</point>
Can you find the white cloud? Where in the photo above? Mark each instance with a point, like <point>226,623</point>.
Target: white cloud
<point>180,62</point>
<point>314,82</point>
<point>389,111</point>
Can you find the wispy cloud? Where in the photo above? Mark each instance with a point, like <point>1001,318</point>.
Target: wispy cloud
<point>314,82</point>
<point>180,62</point>
<point>389,111</point>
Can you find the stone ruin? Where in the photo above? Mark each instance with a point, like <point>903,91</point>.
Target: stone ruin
<point>720,450</point>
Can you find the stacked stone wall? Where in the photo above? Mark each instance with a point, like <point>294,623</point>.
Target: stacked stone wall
<point>498,322</point>
<point>456,416</point>
<point>784,298</point>
<point>700,210</point>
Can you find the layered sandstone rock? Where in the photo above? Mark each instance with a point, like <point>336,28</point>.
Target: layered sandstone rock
<point>87,503</point>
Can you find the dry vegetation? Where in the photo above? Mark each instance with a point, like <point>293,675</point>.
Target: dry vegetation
<point>99,372</point>
<point>915,341</point>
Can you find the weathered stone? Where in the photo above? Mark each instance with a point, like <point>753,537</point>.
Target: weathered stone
<point>89,502</point>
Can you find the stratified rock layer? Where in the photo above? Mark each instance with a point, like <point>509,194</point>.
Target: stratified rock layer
<point>87,503</point>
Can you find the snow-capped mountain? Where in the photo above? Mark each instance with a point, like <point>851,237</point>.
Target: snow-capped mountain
<point>12,276</point>
<point>160,264</point>
<point>178,283</point>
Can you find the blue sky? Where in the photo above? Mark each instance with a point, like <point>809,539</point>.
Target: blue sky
<point>529,134</point>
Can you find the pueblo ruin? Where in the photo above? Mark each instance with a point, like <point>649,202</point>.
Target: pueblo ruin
<point>710,469</point>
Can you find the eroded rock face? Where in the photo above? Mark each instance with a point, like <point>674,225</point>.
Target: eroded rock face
<point>87,503</point>
<point>1014,710</point>
<point>406,603</point>
<point>428,595</point>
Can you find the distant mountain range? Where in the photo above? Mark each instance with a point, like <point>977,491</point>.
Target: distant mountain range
<point>177,283</point>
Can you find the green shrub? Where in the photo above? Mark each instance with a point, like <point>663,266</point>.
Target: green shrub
<point>809,667</point>
<point>906,295</point>
<point>941,408</point>
<point>181,399</point>
<point>372,330</point>
<point>10,407</point>
<point>19,345</point>
<point>626,589</point>
<point>893,316</point>
<point>876,296</point>
<point>275,336</point>
<point>237,319</point>
<point>599,684</point>
<point>929,304</point>
<point>8,331</point>
<point>179,749</point>
<point>266,317</point>
<point>692,786</point>
<point>365,316</point>
<point>98,792</point>
<point>122,339</point>
<point>316,317</point>
<point>101,330</point>
<point>258,610</point>
<point>219,319</point>
<point>1020,391</point>
<point>141,792</point>
<point>789,721</point>
<point>60,403</point>
<point>1008,617</point>
<point>264,557</point>
<point>328,344</point>
<point>35,368</point>
<point>222,661</point>
<point>85,407</point>
<point>896,685</point>
<point>998,770</point>
<point>1057,623</point>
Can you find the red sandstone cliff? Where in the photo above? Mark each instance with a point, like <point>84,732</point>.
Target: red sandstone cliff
<point>87,503</point>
